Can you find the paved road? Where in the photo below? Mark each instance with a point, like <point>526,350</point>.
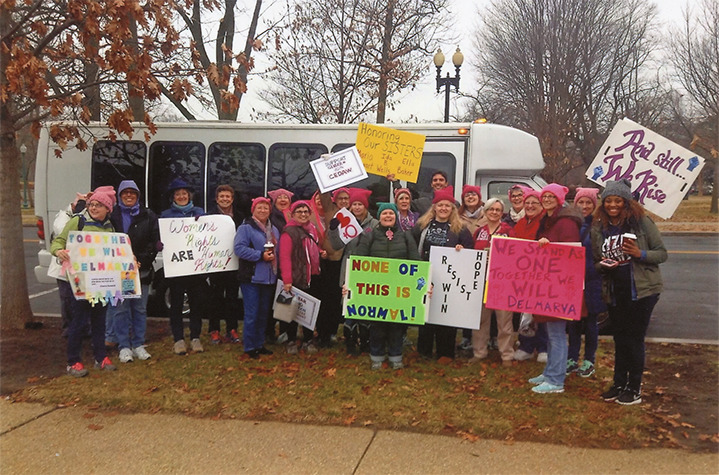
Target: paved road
<point>688,307</point>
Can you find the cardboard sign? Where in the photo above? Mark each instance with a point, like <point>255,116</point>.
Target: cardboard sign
<point>308,308</point>
<point>339,169</point>
<point>199,246</point>
<point>102,267</point>
<point>386,290</point>
<point>524,277</point>
<point>661,171</point>
<point>458,278</point>
<point>349,228</point>
<point>387,151</point>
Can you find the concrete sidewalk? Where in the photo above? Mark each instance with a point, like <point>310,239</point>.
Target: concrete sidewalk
<point>36,439</point>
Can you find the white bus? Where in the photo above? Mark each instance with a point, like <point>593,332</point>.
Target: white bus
<point>255,158</point>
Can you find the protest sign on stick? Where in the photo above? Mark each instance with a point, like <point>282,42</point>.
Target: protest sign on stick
<point>348,228</point>
<point>339,169</point>
<point>386,290</point>
<point>387,151</point>
<point>308,308</point>
<point>102,267</point>
<point>524,277</point>
<point>661,171</point>
<point>199,246</point>
<point>458,278</point>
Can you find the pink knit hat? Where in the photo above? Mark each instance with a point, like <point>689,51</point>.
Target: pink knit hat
<point>523,188</point>
<point>591,193</point>
<point>532,192</point>
<point>274,194</point>
<point>471,188</point>
<point>399,191</point>
<point>299,203</point>
<point>104,195</point>
<point>560,191</point>
<point>338,191</point>
<point>258,200</point>
<point>358,194</point>
<point>445,194</point>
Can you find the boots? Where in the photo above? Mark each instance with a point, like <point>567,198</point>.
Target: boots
<point>363,338</point>
<point>351,336</point>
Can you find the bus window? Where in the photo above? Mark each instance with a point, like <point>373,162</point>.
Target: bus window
<point>240,165</point>
<point>432,162</point>
<point>378,184</point>
<point>289,168</point>
<point>113,162</point>
<point>500,189</point>
<point>170,160</point>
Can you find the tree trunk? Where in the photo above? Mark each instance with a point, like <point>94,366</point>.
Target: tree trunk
<point>714,209</point>
<point>242,70</point>
<point>385,66</point>
<point>14,302</point>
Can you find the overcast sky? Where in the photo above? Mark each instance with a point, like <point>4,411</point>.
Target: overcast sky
<point>465,12</point>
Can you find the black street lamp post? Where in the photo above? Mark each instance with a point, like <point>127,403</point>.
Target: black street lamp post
<point>448,82</point>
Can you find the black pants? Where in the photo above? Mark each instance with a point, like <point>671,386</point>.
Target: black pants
<point>224,287</point>
<point>327,287</point>
<point>444,337</point>
<point>630,320</point>
<point>194,285</point>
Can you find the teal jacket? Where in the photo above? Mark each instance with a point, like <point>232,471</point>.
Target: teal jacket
<point>645,270</point>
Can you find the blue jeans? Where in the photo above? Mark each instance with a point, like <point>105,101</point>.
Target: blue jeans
<point>591,335</point>
<point>385,338</point>
<point>82,313</point>
<point>257,299</point>
<point>556,369</point>
<point>127,321</point>
<point>537,342</point>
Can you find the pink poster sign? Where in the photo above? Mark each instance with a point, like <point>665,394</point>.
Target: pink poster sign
<point>523,277</point>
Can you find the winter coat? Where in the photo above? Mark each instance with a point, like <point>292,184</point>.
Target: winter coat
<point>237,215</point>
<point>88,224</point>
<point>472,224</point>
<point>250,244</point>
<point>592,278</point>
<point>278,219</point>
<point>297,265</point>
<point>144,235</point>
<point>173,212</point>
<point>526,228</point>
<point>482,236</point>
<point>54,270</point>
<point>645,271</point>
<point>377,244</point>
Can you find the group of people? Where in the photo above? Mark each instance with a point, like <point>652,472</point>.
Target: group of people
<point>299,243</point>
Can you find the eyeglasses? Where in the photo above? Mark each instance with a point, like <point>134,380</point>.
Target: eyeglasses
<point>95,204</point>
<point>302,211</point>
<point>549,197</point>
<point>516,196</point>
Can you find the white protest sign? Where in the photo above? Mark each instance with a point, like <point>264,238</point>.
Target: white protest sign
<point>349,228</point>
<point>308,308</point>
<point>199,246</point>
<point>660,170</point>
<point>458,278</point>
<point>339,169</point>
<point>102,267</point>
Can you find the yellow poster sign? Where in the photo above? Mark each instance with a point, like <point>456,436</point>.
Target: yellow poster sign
<point>387,151</point>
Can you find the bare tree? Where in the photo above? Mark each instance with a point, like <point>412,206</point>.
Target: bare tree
<point>340,61</point>
<point>564,70</point>
<point>695,56</point>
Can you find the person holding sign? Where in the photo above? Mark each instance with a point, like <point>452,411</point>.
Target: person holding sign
<point>96,218</point>
<point>627,249</point>
<point>558,225</point>
<point>585,199</point>
<point>407,217</point>
<point>129,317</point>
<point>526,228</point>
<point>300,254</point>
<point>255,244</point>
<point>493,211</point>
<point>356,332</point>
<point>440,226</point>
<point>387,240</point>
<point>181,206</point>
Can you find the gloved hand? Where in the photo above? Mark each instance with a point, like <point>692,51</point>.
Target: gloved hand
<point>334,223</point>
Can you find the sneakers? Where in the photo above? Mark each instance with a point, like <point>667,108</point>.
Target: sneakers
<point>547,388</point>
<point>572,366</point>
<point>542,357</point>
<point>395,364</point>
<point>196,345</point>
<point>586,369</point>
<point>406,341</point>
<point>282,338</point>
<point>310,348</point>
<point>465,344</point>
<point>612,393</point>
<point>215,337</point>
<point>292,348</point>
<point>537,380</point>
<point>232,336</point>
<point>493,345</point>
<point>179,347</point>
<point>376,366</point>
<point>521,355</point>
<point>629,397</point>
<point>141,353</point>
<point>106,365</point>
<point>126,355</point>
<point>77,370</point>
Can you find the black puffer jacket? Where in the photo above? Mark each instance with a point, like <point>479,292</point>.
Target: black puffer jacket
<point>144,235</point>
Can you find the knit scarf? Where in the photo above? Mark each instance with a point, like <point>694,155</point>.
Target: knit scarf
<point>516,216</point>
<point>407,222</point>
<point>311,247</point>
<point>183,209</point>
<point>127,213</point>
